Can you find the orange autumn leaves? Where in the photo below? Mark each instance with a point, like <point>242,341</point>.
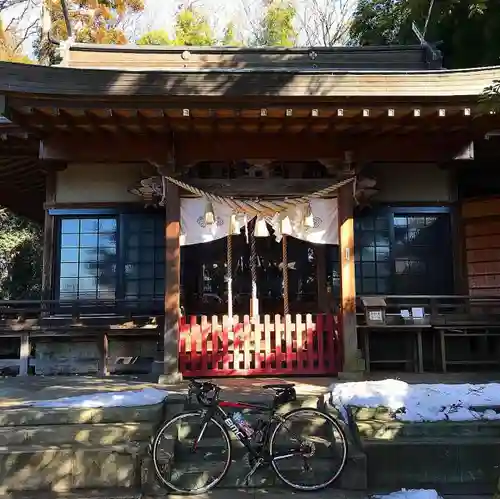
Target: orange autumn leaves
<point>94,21</point>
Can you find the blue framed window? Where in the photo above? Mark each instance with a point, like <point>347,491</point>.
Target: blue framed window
<point>88,258</point>
<point>404,251</point>
<point>107,256</point>
<point>143,249</point>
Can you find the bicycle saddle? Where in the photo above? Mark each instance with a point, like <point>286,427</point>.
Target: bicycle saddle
<point>279,386</point>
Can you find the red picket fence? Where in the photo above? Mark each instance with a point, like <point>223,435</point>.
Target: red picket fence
<point>304,345</point>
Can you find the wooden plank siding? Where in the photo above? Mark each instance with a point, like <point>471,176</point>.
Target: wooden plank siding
<point>482,245</point>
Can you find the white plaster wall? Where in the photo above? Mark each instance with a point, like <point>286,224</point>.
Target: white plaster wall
<point>97,183</point>
<point>411,182</point>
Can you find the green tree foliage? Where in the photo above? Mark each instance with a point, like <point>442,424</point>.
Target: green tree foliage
<point>155,37</point>
<point>276,27</point>
<point>229,39</point>
<point>191,28</point>
<point>467,29</point>
<point>20,257</point>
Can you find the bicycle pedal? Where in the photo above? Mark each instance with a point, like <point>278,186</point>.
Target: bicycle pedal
<point>251,473</point>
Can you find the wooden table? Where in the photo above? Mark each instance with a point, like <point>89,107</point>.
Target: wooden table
<point>468,329</point>
<point>416,329</point>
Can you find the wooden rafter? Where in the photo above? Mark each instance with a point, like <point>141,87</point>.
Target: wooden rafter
<point>275,120</point>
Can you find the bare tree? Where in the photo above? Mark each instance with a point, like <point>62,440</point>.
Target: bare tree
<point>23,19</point>
<point>325,22</point>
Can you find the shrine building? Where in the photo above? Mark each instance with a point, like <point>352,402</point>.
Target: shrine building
<point>215,211</point>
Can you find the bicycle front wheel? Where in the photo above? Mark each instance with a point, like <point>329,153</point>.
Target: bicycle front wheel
<point>308,449</point>
<point>191,457</point>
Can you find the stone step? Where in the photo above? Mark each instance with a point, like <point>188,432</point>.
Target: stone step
<point>389,430</point>
<point>451,465</point>
<point>352,478</point>
<point>109,493</point>
<point>93,434</point>
<point>36,416</point>
<point>32,416</point>
<point>62,468</point>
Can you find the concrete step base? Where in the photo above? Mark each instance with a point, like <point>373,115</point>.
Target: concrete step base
<point>110,493</point>
<point>450,465</point>
<point>38,416</point>
<point>354,476</point>
<point>390,430</point>
<point>67,467</point>
<point>90,434</point>
<point>32,416</point>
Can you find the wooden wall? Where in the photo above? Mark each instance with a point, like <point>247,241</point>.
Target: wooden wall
<point>411,182</point>
<point>97,183</point>
<point>481,228</point>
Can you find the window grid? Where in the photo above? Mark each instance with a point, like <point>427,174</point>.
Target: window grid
<point>403,253</point>
<point>372,250</point>
<point>144,257</point>
<point>88,259</point>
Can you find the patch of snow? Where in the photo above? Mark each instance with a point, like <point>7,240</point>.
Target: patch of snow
<point>422,402</point>
<point>131,398</point>
<point>410,494</point>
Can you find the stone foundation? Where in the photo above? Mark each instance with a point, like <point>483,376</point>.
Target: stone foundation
<point>82,357</point>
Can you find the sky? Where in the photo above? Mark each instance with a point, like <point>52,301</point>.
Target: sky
<point>159,14</point>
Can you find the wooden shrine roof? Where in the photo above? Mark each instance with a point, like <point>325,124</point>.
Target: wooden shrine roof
<point>380,98</point>
<point>413,57</point>
<point>22,179</point>
<point>242,83</point>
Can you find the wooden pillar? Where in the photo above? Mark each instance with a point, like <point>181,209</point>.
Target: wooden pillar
<point>48,235</point>
<point>351,357</point>
<point>171,372</point>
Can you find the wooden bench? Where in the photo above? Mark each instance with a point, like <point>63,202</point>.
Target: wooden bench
<point>412,332</point>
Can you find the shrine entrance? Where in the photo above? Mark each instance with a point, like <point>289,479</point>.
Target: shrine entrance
<point>204,273</point>
<point>255,265</point>
<point>260,299</point>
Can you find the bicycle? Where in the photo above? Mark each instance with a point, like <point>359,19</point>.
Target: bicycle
<point>260,440</point>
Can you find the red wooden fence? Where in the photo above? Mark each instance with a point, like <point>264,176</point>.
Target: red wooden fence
<point>302,344</point>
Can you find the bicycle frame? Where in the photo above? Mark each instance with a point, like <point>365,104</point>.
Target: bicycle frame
<point>217,410</point>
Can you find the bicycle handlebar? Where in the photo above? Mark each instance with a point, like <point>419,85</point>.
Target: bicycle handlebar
<point>201,390</point>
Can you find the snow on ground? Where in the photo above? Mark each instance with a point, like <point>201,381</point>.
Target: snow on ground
<point>410,494</point>
<point>132,398</point>
<point>424,402</point>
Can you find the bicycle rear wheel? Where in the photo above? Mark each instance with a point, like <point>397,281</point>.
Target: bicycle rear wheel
<point>184,461</point>
<point>322,444</point>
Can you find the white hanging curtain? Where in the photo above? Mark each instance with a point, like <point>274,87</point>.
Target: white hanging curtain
<point>194,230</point>
<point>325,217</point>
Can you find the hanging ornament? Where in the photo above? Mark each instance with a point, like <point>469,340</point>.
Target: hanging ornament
<point>234,225</point>
<point>308,216</point>
<point>209,213</point>
<point>260,228</point>
<point>286,225</point>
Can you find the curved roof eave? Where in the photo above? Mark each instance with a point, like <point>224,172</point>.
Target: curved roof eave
<point>72,82</point>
